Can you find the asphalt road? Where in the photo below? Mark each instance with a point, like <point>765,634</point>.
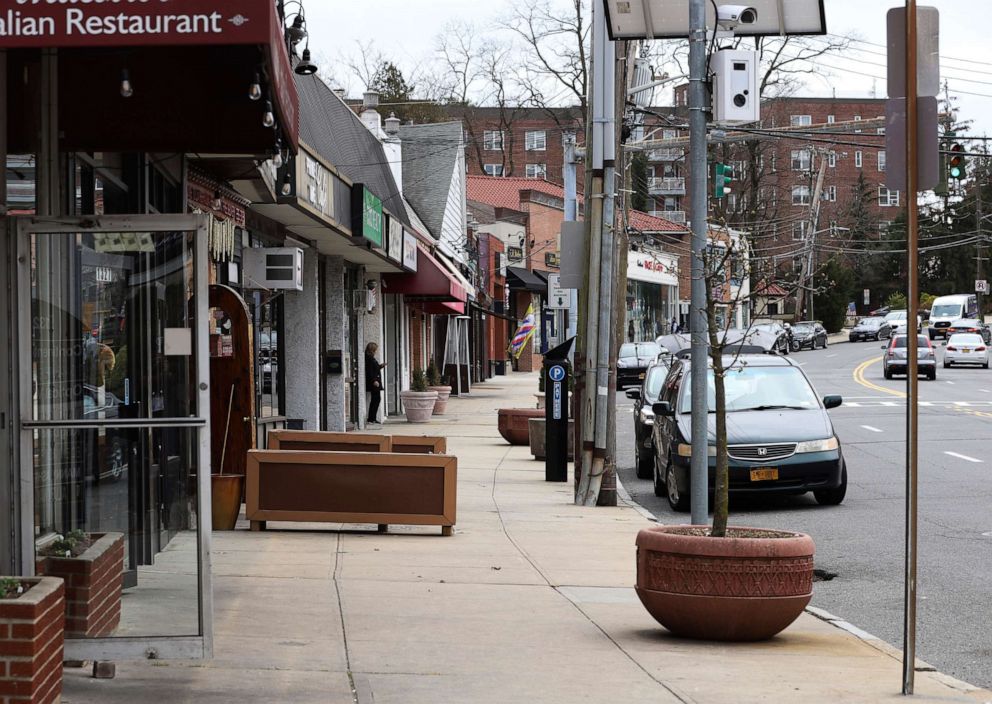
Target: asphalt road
<point>862,539</point>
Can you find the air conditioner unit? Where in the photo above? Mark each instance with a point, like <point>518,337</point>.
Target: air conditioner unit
<point>273,268</point>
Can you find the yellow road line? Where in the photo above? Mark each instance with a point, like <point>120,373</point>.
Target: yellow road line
<point>859,377</point>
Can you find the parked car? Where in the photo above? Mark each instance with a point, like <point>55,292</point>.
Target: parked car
<point>897,321</point>
<point>644,399</point>
<point>778,332</point>
<point>633,362</point>
<point>894,360</point>
<point>948,309</point>
<point>809,334</point>
<point>973,326</point>
<point>966,348</point>
<point>780,438</point>
<point>880,312</point>
<point>872,328</point>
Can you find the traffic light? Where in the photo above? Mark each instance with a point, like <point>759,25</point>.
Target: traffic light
<point>723,176</point>
<point>955,164</point>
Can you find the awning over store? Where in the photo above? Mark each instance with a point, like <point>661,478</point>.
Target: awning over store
<point>432,283</point>
<point>190,64</point>
<point>520,279</point>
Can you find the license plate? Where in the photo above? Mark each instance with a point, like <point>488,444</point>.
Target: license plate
<point>764,474</point>
<point>640,376</point>
<point>965,351</point>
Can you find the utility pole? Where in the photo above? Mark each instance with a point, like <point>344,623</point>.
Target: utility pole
<point>698,324</point>
<point>979,245</point>
<point>809,246</point>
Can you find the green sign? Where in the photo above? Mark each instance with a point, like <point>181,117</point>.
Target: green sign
<point>367,216</point>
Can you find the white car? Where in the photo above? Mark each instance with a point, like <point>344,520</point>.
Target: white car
<point>897,322</point>
<point>966,348</point>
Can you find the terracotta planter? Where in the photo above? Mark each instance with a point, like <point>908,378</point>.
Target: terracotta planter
<point>443,394</point>
<point>513,424</point>
<point>419,405</point>
<point>540,399</point>
<point>536,428</point>
<point>31,649</point>
<point>93,584</point>
<point>225,499</point>
<point>734,589</point>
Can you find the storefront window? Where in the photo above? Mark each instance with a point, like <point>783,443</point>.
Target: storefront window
<point>648,314</point>
<point>269,379</point>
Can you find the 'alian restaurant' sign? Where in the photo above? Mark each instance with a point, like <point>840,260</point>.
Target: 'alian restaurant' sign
<point>83,23</point>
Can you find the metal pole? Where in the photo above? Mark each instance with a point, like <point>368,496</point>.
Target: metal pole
<point>699,473</point>
<point>571,215</point>
<point>980,245</point>
<point>912,379</point>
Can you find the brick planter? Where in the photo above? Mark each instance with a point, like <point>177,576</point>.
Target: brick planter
<point>31,642</point>
<point>513,424</point>
<point>93,583</point>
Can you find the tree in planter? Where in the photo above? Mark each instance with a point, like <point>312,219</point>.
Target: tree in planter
<point>433,375</point>
<point>419,381</point>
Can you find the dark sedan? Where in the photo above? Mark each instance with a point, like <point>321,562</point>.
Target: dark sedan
<point>644,399</point>
<point>780,438</point>
<point>872,328</point>
<point>633,362</point>
<point>808,334</point>
<point>972,326</point>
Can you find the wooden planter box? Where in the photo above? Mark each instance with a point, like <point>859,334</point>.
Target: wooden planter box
<point>31,643</point>
<point>420,444</point>
<point>93,584</point>
<point>351,487</point>
<point>328,442</point>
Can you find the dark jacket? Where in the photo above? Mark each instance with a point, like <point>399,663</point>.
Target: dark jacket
<point>373,373</point>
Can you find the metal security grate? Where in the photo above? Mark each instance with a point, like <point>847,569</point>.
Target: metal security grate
<point>762,453</point>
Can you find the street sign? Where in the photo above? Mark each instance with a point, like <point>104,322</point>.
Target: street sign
<point>927,51</point>
<point>867,296</point>
<point>558,298</point>
<point>927,151</point>
<point>981,286</point>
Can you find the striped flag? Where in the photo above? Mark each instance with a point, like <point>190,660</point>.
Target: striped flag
<point>523,333</point>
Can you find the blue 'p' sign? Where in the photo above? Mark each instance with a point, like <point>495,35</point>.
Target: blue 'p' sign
<point>557,373</point>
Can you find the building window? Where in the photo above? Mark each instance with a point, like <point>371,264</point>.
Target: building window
<point>880,130</point>
<point>800,195</point>
<point>881,160</point>
<point>832,160</point>
<point>774,162</point>
<point>493,169</point>
<point>799,230</point>
<point>536,141</point>
<point>858,159</point>
<point>492,140</point>
<point>883,226</point>
<point>800,120</point>
<point>857,118</point>
<point>551,259</point>
<point>567,136</point>
<point>801,159</point>
<point>537,170</point>
<point>829,193</point>
<point>834,229</point>
<point>887,198</point>
<point>830,119</point>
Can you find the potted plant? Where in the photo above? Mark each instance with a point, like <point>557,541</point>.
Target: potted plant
<point>436,383</point>
<point>723,582</point>
<point>418,402</point>
<point>31,650</point>
<point>92,567</point>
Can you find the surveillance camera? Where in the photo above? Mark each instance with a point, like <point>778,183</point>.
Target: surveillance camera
<point>730,16</point>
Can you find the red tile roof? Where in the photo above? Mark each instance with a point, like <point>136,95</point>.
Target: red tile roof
<point>504,192</point>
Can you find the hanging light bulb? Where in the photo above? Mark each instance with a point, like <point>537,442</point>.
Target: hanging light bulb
<point>127,90</point>
<point>218,203</point>
<point>287,185</point>
<point>269,118</point>
<point>277,160</point>
<point>306,67</point>
<point>255,90</point>
<point>297,32</point>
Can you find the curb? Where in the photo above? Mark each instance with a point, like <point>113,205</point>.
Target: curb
<point>862,635</point>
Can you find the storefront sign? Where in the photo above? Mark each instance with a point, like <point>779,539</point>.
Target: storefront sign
<point>316,190</point>
<point>658,268</point>
<point>395,246</point>
<point>203,197</point>
<point>366,214</point>
<point>409,251</point>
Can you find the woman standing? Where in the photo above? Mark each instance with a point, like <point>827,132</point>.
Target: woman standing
<point>373,381</point>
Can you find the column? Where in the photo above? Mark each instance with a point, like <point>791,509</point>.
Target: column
<point>303,348</point>
<point>337,325</point>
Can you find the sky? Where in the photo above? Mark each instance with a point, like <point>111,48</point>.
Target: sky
<point>406,30</point>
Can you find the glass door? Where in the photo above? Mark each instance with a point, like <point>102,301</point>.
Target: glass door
<point>114,439</point>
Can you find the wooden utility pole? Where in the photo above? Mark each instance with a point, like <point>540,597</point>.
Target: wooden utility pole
<point>809,241</point>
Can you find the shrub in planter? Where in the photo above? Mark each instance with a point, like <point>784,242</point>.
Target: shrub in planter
<point>92,567</point>
<point>436,383</point>
<point>32,619</point>
<point>418,402</point>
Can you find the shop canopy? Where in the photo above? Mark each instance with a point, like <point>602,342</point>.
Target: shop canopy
<point>190,64</point>
<point>433,286</point>
<point>520,279</point>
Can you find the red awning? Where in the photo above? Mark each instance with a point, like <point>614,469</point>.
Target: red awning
<point>190,63</point>
<point>431,282</point>
<point>441,307</point>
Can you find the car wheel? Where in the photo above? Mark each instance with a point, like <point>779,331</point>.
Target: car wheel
<point>930,335</point>
<point>878,335</point>
<point>645,465</point>
<point>887,373</point>
<point>796,346</point>
<point>833,497</point>
<point>947,365</point>
<point>659,476</point>
<point>677,500</point>
<point>932,375</point>
<point>985,365</point>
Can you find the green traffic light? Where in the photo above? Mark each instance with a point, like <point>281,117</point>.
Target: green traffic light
<point>956,172</point>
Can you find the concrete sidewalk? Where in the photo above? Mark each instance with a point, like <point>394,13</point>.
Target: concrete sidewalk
<point>531,600</point>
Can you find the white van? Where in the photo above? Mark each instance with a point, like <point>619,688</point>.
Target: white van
<point>946,309</point>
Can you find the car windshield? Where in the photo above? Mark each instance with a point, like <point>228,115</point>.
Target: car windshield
<point>965,323</point>
<point>965,340</point>
<point>753,388</point>
<point>871,322</point>
<point>896,315</point>
<point>946,310</point>
<point>802,327</point>
<point>899,342</point>
<point>639,349</point>
<point>654,381</point>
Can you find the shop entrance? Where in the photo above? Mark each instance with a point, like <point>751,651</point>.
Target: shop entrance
<point>114,434</point>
